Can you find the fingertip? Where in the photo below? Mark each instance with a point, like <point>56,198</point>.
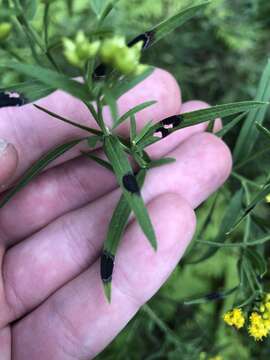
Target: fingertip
<point>8,162</point>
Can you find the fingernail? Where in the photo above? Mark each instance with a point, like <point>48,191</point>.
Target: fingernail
<point>3,146</point>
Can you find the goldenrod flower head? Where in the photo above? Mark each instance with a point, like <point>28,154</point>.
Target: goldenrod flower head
<point>5,30</point>
<point>258,327</point>
<point>267,198</point>
<point>80,50</point>
<point>235,318</point>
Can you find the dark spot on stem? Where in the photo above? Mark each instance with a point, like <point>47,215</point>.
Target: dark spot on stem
<point>130,183</point>
<point>164,132</point>
<point>100,72</point>
<point>146,37</point>
<point>8,99</point>
<point>174,120</point>
<point>106,266</point>
<point>214,296</point>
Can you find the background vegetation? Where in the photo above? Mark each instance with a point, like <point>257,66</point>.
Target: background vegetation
<point>218,57</point>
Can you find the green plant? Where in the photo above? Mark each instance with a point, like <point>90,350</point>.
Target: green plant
<point>98,45</point>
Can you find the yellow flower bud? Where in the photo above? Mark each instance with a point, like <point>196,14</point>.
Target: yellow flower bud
<point>5,30</point>
<point>262,308</point>
<point>126,61</point>
<point>267,199</point>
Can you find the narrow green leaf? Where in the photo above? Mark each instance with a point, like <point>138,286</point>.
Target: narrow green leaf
<point>111,101</point>
<point>258,262</point>
<point>93,140</point>
<point>133,111</point>
<point>36,169</point>
<point>259,197</point>
<point>232,211</point>
<point>116,229</point>
<point>31,90</point>
<point>226,128</point>
<point>248,134</point>
<point>199,116</point>
<point>98,160</point>
<point>82,127</point>
<point>263,130</point>
<point>30,8</point>
<point>167,26</point>
<point>50,78</point>
<point>121,167</point>
<point>133,128</point>
<point>97,6</point>
<point>211,297</point>
<point>161,162</point>
<point>129,82</point>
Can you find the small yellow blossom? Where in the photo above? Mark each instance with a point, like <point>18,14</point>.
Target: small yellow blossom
<point>258,327</point>
<point>235,318</point>
<point>267,198</point>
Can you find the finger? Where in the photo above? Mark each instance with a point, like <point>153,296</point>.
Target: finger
<point>67,246</point>
<point>8,162</point>
<point>72,185</point>
<point>74,322</point>
<point>33,132</point>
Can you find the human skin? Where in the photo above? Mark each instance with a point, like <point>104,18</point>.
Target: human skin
<point>52,305</point>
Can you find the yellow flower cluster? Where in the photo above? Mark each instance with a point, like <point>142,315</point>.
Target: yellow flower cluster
<point>5,30</point>
<point>259,325</point>
<point>112,51</point>
<point>235,318</point>
<point>259,320</point>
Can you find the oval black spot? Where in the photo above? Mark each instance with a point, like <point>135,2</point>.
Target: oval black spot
<point>214,296</point>
<point>164,132</point>
<point>146,37</point>
<point>174,120</point>
<point>130,183</point>
<point>6,99</point>
<point>100,72</point>
<point>106,266</point>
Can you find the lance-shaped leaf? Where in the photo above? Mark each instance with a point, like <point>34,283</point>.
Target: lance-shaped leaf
<point>127,181</point>
<point>226,128</point>
<point>199,116</point>
<point>133,111</point>
<point>129,82</point>
<point>99,161</point>
<point>228,220</point>
<point>248,134</point>
<point>218,295</point>
<point>30,90</point>
<point>50,78</point>
<point>263,130</point>
<point>82,127</point>
<point>116,228</point>
<point>167,26</point>
<point>38,167</point>
<point>259,197</point>
<point>154,35</point>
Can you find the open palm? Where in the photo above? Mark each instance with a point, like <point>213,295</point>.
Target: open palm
<point>52,305</point>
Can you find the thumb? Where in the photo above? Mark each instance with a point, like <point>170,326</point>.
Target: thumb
<point>8,163</point>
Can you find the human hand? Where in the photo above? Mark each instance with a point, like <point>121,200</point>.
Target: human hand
<point>52,305</point>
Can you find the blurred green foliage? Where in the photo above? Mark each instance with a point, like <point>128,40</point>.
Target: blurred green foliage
<point>218,57</point>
